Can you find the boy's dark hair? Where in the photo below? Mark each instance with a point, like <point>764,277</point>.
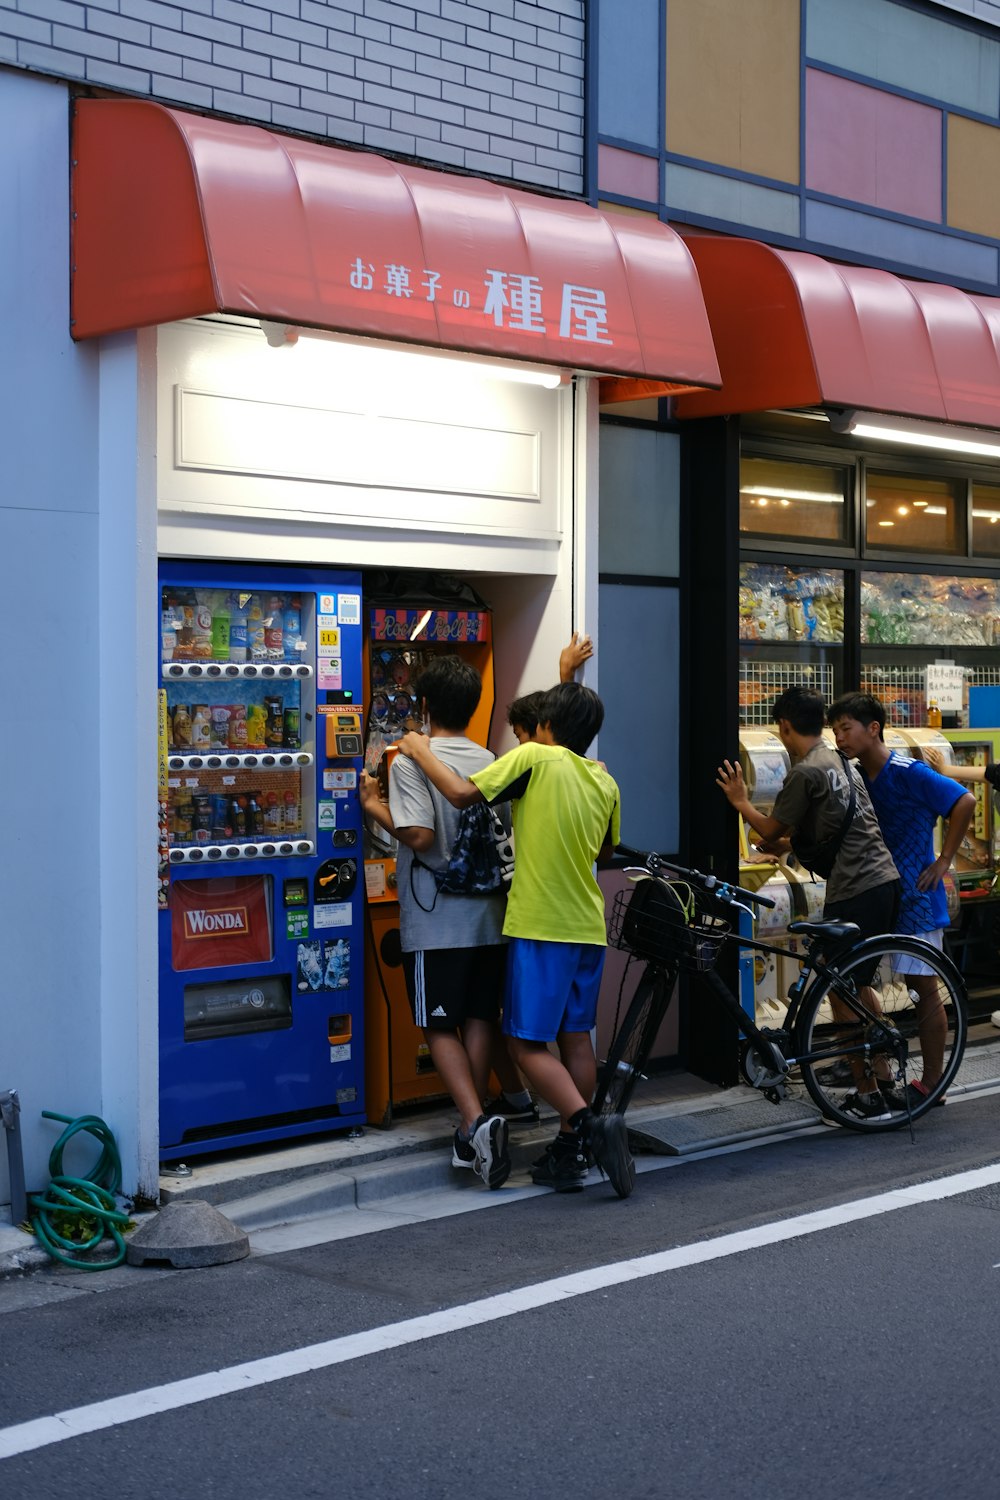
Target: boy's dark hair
<point>803,708</point>
<point>523,712</point>
<point>574,713</point>
<point>452,688</point>
<point>861,706</point>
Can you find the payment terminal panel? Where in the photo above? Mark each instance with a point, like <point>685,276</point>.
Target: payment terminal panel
<point>261,880</point>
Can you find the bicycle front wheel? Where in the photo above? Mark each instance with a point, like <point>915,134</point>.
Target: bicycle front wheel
<point>891,1019</point>
<point>627,1055</point>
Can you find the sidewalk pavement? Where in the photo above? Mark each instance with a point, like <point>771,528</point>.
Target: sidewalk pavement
<point>347,1176</point>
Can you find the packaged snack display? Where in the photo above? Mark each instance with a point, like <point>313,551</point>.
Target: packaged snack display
<point>921,609</point>
<point>791,604</point>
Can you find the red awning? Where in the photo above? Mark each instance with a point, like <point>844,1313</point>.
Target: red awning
<point>177,216</point>
<point>793,330</point>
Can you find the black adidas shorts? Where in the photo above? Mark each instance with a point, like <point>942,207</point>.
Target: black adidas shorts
<point>448,986</point>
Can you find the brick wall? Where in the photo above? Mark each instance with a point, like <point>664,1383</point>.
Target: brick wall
<point>495,88</point>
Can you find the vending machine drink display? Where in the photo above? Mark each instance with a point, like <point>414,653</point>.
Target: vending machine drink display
<point>261,931</point>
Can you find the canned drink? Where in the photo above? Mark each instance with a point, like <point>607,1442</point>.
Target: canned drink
<point>221,827</point>
<point>275,730</point>
<point>202,821</point>
<point>237,726</point>
<point>291,729</point>
<point>221,714</point>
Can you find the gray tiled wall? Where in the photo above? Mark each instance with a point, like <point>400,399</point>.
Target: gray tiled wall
<point>495,88</point>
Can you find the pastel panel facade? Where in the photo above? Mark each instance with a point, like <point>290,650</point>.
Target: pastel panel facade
<point>628,70</point>
<point>973,175</point>
<point>729,200</point>
<point>872,147</point>
<point>627,173</point>
<point>867,237</point>
<point>908,49</point>
<point>733,84</point>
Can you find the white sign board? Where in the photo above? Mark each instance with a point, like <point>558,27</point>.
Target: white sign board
<point>945,682</point>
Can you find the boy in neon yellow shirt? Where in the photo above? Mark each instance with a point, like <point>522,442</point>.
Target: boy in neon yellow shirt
<point>566,817</point>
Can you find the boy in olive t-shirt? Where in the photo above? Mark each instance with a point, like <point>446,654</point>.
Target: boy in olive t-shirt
<point>566,818</point>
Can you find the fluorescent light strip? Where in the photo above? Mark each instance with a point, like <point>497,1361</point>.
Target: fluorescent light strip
<point>924,435</point>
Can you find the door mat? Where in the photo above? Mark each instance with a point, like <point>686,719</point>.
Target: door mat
<point>979,1069</point>
<point>677,1135</point>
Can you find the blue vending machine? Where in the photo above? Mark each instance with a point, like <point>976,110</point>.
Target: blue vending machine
<point>261,882</point>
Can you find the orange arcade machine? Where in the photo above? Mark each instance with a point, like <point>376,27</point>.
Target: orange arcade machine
<point>408,619</point>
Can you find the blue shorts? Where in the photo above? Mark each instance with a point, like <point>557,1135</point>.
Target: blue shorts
<point>551,987</point>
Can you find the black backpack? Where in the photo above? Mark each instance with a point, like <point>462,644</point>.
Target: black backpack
<point>481,862</point>
<point>819,859</point>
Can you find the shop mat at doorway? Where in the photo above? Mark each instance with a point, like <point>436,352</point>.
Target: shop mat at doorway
<point>678,1135</point>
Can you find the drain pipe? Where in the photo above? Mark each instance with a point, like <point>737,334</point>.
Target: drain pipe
<point>10,1114</point>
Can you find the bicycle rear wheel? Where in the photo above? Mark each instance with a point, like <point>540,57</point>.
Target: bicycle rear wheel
<point>914,1028</point>
<point>627,1055</point>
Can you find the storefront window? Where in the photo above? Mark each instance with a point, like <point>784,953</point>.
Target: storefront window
<point>923,609</point>
<point>986,520</point>
<point>793,501</point>
<point>802,605</point>
<point>909,514</point>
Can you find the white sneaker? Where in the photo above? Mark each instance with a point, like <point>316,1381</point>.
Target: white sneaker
<point>489,1142</point>
<point>995,1018</point>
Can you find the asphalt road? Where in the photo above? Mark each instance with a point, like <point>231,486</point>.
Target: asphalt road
<point>859,1358</point>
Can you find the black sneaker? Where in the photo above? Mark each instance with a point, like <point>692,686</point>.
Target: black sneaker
<point>900,1099</point>
<point>489,1143</point>
<point>514,1114</point>
<point>561,1167</point>
<point>606,1138</point>
<point>836,1074</point>
<point>462,1154</point>
<point>866,1106</point>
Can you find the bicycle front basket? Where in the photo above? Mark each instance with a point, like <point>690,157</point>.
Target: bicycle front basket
<point>666,924</point>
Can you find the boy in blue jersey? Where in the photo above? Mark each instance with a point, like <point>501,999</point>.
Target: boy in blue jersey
<point>909,797</point>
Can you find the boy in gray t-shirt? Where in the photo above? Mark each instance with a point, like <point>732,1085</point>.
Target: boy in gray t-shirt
<point>454,955</point>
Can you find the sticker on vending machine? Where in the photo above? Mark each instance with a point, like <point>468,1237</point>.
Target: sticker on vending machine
<point>337,964</point>
<point>297,924</point>
<point>349,609</point>
<point>337,915</point>
<point>326,815</point>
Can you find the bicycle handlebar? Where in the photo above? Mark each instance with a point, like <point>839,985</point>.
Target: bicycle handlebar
<point>722,890</point>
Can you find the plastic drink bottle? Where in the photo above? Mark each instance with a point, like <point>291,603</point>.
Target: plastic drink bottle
<point>291,813</point>
<point>220,628</point>
<point>255,629</point>
<point>238,642</point>
<point>292,625</point>
<point>274,628</point>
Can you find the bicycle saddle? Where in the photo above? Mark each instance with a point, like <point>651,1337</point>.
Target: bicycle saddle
<point>833,930</point>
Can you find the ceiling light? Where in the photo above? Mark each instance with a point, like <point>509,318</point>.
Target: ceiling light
<point>919,504</point>
<point>887,523</point>
<point>824,497</point>
<point>936,510</point>
<point>902,510</point>
<point>937,435</point>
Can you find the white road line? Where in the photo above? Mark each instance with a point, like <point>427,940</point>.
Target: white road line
<point>43,1431</point>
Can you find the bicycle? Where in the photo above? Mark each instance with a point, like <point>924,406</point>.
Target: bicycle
<point>852,1015</point>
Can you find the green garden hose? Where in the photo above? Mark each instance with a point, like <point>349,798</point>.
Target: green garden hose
<point>89,1198</point>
